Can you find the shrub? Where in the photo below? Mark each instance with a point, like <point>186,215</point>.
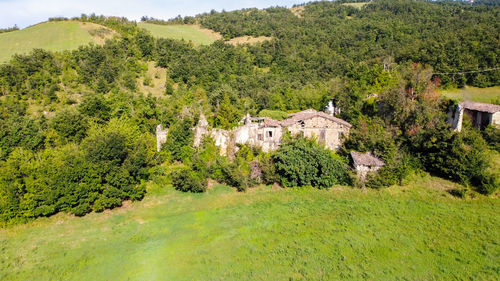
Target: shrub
<point>393,172</point>
<point>461,157</point>
<point>269,175</point>
<point>188,181</point>
<point>302,162</point>
<point>180,140</point>
<point>105,202</point>
<point>234,174</point>
<point>489,183</point>
<point>492,136</point>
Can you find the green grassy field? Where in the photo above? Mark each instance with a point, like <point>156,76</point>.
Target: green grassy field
<point>416,232</point>
<point>53,36</point>
<point>487,95</point>
<point>192,33</point>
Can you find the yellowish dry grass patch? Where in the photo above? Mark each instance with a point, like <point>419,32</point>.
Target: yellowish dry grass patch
<point>358,5</point>
<point>156,76</point>
<point>298,11</point>
<point>248,40</point>
<point>98,32</point>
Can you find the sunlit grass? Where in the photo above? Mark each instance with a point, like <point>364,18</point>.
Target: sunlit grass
<point>52,36</point>
<point>416,232</point>
<point>486,95</point>
<point>191,33</point>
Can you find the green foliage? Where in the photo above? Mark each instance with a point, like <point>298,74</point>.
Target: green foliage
<point>492,137</point>
<point>187,180</point>
<point>95,106</point>
<point>273,114</point>
<point>371,135</point>
<point>394,171</point>
<point>55,158</point>
<point>268,168</point>
<point>105,170</point>
<point>180,140</point>
<point>462,157</point>
<point>302,162</point>
<point>70,124</point>
<point>20,131</point>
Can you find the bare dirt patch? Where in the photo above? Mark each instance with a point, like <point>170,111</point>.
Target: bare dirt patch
<point>248,40</point>
<point>215,35</point>
<point>298,11</point>
<point>98,32</point>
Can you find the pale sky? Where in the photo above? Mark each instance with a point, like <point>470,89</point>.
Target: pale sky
<point>29,12</point>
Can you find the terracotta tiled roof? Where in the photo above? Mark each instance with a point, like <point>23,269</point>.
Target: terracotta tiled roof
<point>366,159</point>
<point>311,113</point>
<point>483,107</point>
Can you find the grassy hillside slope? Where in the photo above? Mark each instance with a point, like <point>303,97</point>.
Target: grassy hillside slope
<point>408,233</point>
<point>53,36</point>
<point>487,95</point>
<point>199,36</point>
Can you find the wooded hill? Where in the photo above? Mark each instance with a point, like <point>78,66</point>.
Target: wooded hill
<point>77,133</point>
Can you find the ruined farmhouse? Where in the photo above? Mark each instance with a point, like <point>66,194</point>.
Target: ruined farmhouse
<point>267,133</point>
<point>365,163</point>
<point>480,114</point>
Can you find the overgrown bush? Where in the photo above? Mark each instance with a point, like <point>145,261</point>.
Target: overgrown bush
<point>104,170</point>
<point>187,180</point>
<point>492,136</point>
<point>461,157</point>
<point>303,162</point>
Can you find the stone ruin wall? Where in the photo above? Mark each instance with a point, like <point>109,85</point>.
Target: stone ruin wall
<point>495,119</point>
<point>327,132</point>
<point>268,138</point>
<point>161,136</point>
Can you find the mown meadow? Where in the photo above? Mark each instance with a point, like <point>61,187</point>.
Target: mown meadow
<point>486,95</point>
<point>193,33</point>
<point>412,232</point>
<point>52,36</point>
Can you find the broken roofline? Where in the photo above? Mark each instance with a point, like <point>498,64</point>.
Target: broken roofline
<point>478,106</point>
<point>300,116</point>
<point>366,159</point>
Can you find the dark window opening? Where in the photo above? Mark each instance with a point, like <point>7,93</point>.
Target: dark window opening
<point>269,134</point>
<point>322,137</point>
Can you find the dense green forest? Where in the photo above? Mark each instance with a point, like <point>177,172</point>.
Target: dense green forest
<point>77,134</point>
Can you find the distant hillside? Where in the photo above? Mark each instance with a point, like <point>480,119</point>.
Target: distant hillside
<point>53,36</point>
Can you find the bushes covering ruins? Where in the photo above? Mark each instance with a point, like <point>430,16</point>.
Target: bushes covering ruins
<point>76,128</point>
<point>303,162</point>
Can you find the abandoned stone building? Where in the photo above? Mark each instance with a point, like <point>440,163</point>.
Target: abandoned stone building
<point>266,133</point>
<point>480,114</point>
<point>365,163</point>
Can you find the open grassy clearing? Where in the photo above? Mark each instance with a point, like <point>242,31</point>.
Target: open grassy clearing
<point>196,34</point>
<point>193,33</point>
<point>53,36</point>
<point>415,232</point>
<point>487,95</point>
<point>155,78</point>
